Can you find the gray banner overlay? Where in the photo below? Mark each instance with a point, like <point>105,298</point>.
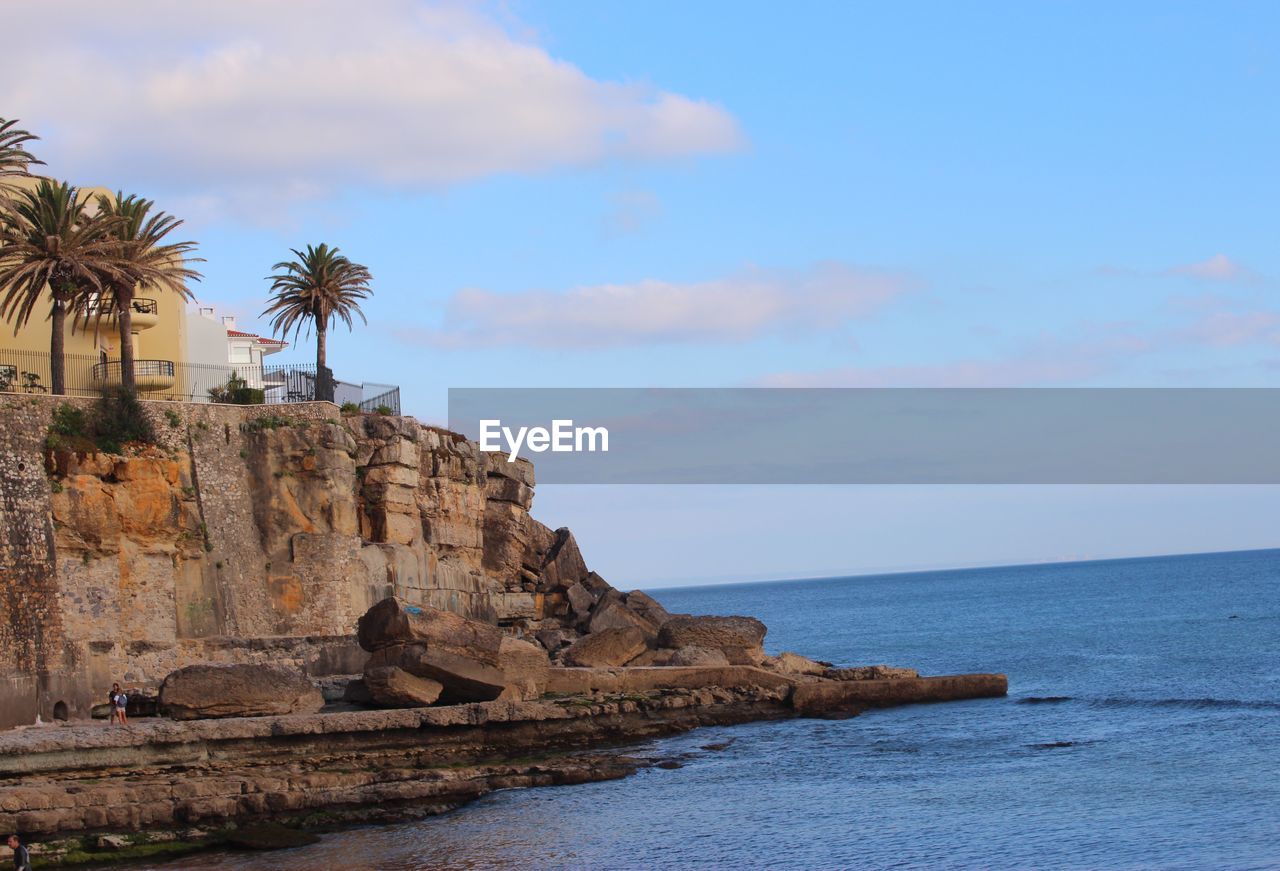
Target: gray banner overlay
<point>889,436</point>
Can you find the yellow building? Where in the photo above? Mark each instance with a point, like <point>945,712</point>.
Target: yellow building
<point>93,343</point>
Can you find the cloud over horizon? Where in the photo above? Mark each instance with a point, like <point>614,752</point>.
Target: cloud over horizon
<point>740,307</point>
<point>226,102</point>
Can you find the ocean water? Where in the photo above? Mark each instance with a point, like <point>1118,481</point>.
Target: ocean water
<point>1142,730</point>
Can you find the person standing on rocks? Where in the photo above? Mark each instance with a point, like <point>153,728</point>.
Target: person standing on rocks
<point>21,858</point>
<point>119,704</point>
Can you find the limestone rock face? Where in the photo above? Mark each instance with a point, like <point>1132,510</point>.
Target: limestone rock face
<point>525,666</point>
<point>465,679</point>
<point>692,655</point>
<point>739,638</point>
<point>392,687</point>
<point>395,622</point>
<point>212,691</point>
<point>870,672</point>
<point>613,646</point>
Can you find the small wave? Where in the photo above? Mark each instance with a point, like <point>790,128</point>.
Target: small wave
<point>1045,700</point>
<point>1052,745</point>
<point>1200,703</point>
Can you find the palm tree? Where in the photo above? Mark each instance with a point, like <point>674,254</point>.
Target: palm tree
<point>50,239</point>
<point>146,261</point>
<point>321,286</point>
<point>14,158</point>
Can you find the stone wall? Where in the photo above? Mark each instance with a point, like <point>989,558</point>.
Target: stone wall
<point>249,534</point>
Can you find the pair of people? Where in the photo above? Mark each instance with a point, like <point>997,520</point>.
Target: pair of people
<point>119,704</point>
<point>21,858</point>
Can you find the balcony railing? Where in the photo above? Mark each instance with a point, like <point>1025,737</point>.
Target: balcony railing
<point>107,307</point>
<point>86,375</point>
<point>110,370</point>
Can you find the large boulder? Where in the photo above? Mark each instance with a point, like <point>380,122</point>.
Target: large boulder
<point>739,638</point>
<point>611,612</point>
<point>614,646</point>
<point>393,687</point>
<point>697,656</point>
<point>646,606</point>
<point>210,691</point>
<point>464,678</point>
<point>794,663</point>
<point>525,667</point>
<point>394,622</point>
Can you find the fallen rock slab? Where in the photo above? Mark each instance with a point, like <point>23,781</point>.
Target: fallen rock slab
<point>525,667</point>
<point>739,638</point>
<point>463,678</point>
<point>692,655</point>
<point>606,647</point>
<point>396,622</point>
<point>794,663</point>
<point>392,687</point>
<point>214,691</point>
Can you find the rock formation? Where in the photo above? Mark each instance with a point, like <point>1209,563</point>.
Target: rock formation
<point>199,692</point>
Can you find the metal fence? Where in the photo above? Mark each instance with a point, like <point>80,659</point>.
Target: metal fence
<point>88,375</point>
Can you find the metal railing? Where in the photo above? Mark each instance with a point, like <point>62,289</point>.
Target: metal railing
<point>106,307</point>
<point>110,370</point>
<point>87,375</point>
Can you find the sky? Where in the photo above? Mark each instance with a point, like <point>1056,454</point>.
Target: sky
<point>555,193</point>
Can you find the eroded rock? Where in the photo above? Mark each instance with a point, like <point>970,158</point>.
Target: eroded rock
<point>214,691</point>
<point>612,646</point>
<point>739,638</point>
<point>393,687</point>
<point>465,679</point>
<point>870,672</point>
<point>693,655</point>
<point>393,622</point>
<point>525,666</point>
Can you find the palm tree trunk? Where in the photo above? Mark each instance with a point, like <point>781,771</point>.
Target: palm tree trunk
<point>324,383</point>
<point>124,317</point>
<point>57,344</point>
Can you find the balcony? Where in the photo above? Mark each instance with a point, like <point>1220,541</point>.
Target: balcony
<point>146,312</point>
<point>149,376</point>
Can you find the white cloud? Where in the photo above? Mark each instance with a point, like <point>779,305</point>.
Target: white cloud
<point>234,99</point>
<point>1047,362</point>
<point>1219,267</point>
<point>738,308</point>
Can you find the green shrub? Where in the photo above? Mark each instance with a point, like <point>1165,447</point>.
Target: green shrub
<point>172,416</point>
<point>350,408</point>
<point>384,410</point>
<point>69,420</point>
<point>237,392</point>
<point>119,419</point>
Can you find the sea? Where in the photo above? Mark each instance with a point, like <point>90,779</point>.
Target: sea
<point>1141,730</point>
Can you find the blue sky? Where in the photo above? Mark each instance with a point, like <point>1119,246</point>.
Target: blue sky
<point>725,194</point>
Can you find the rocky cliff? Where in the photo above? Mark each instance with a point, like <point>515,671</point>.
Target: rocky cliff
<point>256,534</point>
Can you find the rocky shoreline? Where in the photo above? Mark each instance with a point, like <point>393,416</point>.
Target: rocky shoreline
<point>91,793</point>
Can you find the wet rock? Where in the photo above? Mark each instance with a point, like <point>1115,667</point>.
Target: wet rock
<point>613,646</point>
<point>392,687</point>
<point>266,835</point>
<point>214,691</point>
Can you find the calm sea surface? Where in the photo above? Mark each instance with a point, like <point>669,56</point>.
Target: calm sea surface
<point>1142,730</point>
